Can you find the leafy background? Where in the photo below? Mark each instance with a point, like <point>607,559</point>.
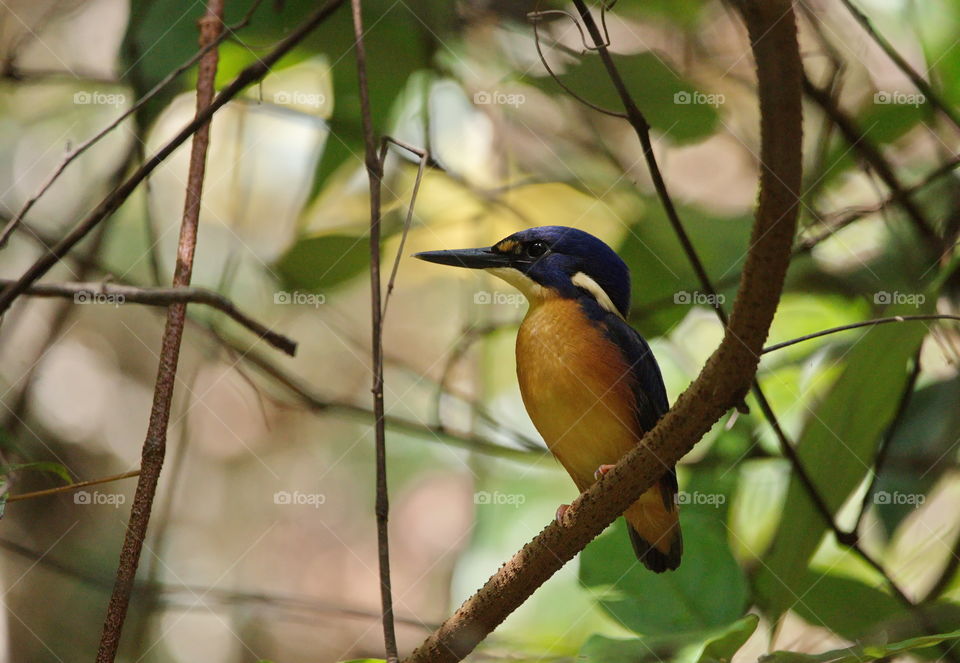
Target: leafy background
<point>231,573</point>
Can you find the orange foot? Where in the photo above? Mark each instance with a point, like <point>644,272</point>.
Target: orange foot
<point>602,470</point>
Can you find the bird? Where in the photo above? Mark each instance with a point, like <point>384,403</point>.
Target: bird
<point>589,381</point>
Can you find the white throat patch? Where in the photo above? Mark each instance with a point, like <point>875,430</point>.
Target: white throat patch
<point>532,290</point>
<point>581,280</point>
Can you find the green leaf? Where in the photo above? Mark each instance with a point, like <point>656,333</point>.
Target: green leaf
<point>846,606</point>
<point>925,438</point>
<point>319,263</point>
<point>705,647</point>
<point>669,103</point>
<point>837,447</point>
<point>47,466</point>
<point>863,653</point>
<point>687,600</point>
<point>669,285</point>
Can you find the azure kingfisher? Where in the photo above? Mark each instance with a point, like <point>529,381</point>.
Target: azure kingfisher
<point>589,381</point>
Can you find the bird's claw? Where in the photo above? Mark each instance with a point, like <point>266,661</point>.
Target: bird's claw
<point>602,471</point>
<point>561,510</point>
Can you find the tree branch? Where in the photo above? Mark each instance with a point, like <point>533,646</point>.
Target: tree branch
<point>375,175</point>
<point>112,202</point>
<point>154,446</point>
<point>83,293</point>
<point>725,378</point>
<point>71,487</point>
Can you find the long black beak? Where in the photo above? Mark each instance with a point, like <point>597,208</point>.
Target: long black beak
<point>470,258</point>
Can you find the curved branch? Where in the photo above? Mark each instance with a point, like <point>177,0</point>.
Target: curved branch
<point>857,325</point>
<point>83,293</point>
<point>725,378</point>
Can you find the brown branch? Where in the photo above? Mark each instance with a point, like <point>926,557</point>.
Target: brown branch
<point>375,176</point>
<point>71,487</point>
<point>75,153</point>
<point>154,446</point>
<point>112,202</point>
<point>722,383</point>
<point>919,82</point>
<point>84,293</point>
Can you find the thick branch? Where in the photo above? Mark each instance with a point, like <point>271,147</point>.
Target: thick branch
<point>84,293</point>
<point>722,383</point>
<point>155,444</point>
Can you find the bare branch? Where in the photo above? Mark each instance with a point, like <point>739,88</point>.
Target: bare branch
<point>154,446</point>
<point>375,175</point>
<point>857,325</point>
<point>73,486</point>
<point>83,293</point>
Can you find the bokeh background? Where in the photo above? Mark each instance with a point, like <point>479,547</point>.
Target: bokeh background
<point>262,543</point>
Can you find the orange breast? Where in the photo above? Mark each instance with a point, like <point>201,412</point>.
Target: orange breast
<point>576,388</point>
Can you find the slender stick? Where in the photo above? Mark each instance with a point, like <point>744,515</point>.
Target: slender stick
<point>857,325</point>
<point>154,446</point>
<point>112,202</point>
<point>375,175</point>
<point>73,486</point>
<point>110,293</point>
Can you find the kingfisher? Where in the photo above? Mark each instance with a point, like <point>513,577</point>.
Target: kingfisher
<point>589,381</point>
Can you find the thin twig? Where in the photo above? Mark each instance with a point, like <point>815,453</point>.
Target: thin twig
<point>71,487</point>
<point>423,159</point>
<point>112,202</point>
<point>110,293</point>
<point>375,175</point>
<point>869,152</point>
<point>845,218</point>
<point>857,325</point>
<point>886,443</point>
<point>919,82</point>
<point>154,446</point>
<point>69,158</point>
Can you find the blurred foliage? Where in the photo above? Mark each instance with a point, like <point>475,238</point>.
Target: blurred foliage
<point>286,210</point>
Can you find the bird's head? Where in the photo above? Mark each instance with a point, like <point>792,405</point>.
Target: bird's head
<point>550,261</point>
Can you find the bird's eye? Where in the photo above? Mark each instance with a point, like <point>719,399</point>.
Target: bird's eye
<point>536,249</point>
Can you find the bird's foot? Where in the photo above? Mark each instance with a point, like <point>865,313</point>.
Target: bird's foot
<point>602,471</point>
<point>561,510</point>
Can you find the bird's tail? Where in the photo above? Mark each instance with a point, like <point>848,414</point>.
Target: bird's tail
<point>654,526</point>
